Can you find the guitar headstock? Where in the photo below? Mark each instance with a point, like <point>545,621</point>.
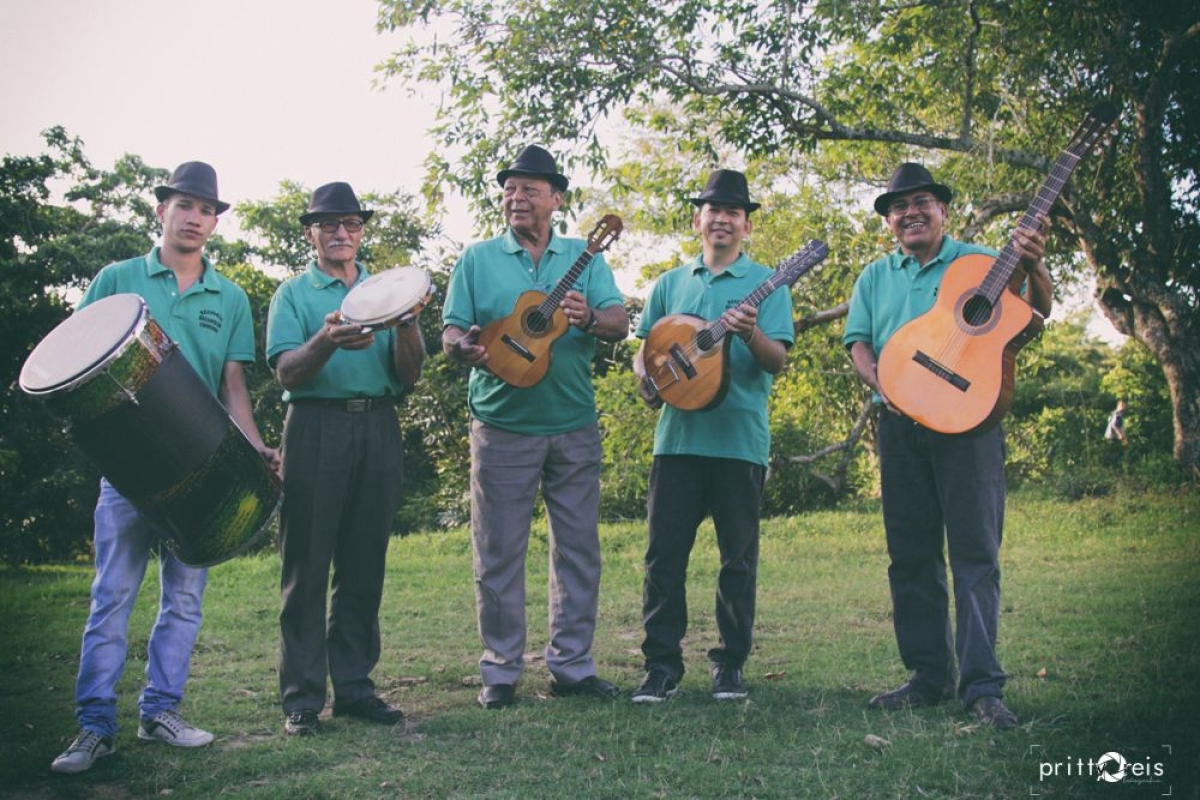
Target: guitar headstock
<point>803,260</point>
<point>607,231</point>
<point>1092,128</point>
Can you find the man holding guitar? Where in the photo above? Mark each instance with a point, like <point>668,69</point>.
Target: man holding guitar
<point>936,485</point>
<point>543,434</point>
<point>712,460</point>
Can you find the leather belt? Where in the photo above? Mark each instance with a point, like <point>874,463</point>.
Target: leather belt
<point>349,404</point>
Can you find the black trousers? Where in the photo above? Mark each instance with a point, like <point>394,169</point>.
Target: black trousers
<point>343,474</point>
<point>943,492</point>
<point>683,491</point>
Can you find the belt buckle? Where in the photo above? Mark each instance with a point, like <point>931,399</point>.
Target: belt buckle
<point>359,404</point>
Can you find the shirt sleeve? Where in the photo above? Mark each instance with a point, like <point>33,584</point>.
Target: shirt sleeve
<point>859,320</point>
<point>284,329</point>
<point>459,308</point>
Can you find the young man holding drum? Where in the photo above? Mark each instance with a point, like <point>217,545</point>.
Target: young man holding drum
<point>343,468</point>
<point>208,316</point>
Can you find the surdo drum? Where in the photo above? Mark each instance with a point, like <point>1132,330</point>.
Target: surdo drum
<point>387,298</point>
<point>139,411</point>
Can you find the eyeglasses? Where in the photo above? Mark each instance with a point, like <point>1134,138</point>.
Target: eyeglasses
<point>331,225</point>
<point>921,203</point>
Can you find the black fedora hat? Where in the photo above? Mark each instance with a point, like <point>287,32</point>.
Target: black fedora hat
<point>726,187</point>
<point>333,198</point>
<point>909,177</point>
<point>196,179</point>
<point>536,161</point>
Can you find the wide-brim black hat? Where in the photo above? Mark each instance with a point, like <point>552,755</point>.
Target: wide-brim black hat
<point>538,162</point>
<point>726,187</point>
<point>193,178</point>
<point>910,177</point>
<point>333,198</point>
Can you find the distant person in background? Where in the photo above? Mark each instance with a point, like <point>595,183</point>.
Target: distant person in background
<point>1115,430</point>
<point>208,316</point>
<point>343,469</point>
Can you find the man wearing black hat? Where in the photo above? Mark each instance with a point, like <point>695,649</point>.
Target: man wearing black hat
<point>712,461</point>
<point>343,468</point>
<point>936,487</point>
<point>544,435</point>
<point>208,316</point>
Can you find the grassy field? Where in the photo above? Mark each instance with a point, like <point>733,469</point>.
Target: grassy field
<point>1098,633</point>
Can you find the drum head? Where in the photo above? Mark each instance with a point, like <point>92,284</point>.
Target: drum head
<point>385,296</point>
<point>81,343</point>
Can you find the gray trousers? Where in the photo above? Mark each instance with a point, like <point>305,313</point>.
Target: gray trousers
<point>506,470</point>
<point>940,488</point>
<point>343,474</point>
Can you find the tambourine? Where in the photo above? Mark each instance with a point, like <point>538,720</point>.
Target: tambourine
<point>389,298</point>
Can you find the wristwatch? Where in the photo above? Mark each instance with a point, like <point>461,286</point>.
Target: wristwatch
<point>593,321</point>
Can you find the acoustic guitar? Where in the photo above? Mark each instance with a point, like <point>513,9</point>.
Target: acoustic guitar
<point>518,345</point>
<point>687,358</point>
<point>951,369</point>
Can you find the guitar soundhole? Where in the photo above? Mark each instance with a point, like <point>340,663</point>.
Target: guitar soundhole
<point>977,311</point>
<point>536,321</point>
<point>704,340</point>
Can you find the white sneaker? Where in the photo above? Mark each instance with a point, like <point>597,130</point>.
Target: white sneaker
<point>169,727</point>
<point>83,752</point>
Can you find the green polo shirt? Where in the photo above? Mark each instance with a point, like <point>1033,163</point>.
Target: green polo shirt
<point>210,322</point>
<point>298,311</point>
<point>484,287</point>
<point>738,427</point>
<point>896,289</point>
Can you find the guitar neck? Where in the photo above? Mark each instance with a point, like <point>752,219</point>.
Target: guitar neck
<point>555,297</point>
<point>787,273</point>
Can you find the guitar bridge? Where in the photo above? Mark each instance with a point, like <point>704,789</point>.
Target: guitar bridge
<point>689,371</point>
<point>517,348</point>
<point>942,371</point>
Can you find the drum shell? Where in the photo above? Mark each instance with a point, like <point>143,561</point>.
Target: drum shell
<point>163,441</point>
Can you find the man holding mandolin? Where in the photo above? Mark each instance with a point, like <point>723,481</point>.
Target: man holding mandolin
<point>538,432</point>
<point>710,458</point>
<point>936,485</point>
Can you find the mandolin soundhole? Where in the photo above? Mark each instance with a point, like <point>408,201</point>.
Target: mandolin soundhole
<point>535,321</point>
<point>704,340</point>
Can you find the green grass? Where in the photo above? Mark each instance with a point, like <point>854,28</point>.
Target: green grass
<point>1097,633</point>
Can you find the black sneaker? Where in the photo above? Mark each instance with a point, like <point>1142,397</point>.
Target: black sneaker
<point>591,686</point>
<point>992,711</point>
<point>658,686</point>
<point>302,723</point>
<point>728,683</point>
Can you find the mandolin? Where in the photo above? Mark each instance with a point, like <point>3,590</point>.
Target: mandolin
<point>951,369</point>
<point>687,358</point>
<point>518,345</point>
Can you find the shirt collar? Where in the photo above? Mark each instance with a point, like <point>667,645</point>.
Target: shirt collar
<point>155,267</point>
<point>512,246</point>
<point>322,280</point>
<point>947,252</point>
<point>737,269</point>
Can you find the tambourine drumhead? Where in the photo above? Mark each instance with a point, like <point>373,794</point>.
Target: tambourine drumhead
<point>386,296</point>
<point>82,343</point>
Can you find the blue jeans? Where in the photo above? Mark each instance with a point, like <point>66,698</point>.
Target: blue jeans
<point>124,540</point>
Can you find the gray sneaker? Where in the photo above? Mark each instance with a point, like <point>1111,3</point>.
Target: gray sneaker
<point>169,727</point>
<point>83,752</point>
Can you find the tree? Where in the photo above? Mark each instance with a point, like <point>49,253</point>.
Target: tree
<point>988,92</point>
<point>49,249</point>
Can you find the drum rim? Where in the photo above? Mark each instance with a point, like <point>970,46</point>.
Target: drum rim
<point>375,320</point>
<point>123,342</point>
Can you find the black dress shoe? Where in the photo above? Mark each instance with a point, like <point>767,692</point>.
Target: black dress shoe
<point>370,708</point>
<point>992,711</point>
<point>497,696</point>
<point>910,695</point>
<point>590,686</point>
<point>302,723</point>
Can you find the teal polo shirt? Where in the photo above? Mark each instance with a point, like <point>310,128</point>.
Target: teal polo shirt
<point>298,311</point>
<point>210,322</point>
<point>738,427</point>
<point>484,287</point>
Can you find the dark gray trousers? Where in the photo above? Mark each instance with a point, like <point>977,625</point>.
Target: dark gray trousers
<point>343,474</point>
<point>940,488</point>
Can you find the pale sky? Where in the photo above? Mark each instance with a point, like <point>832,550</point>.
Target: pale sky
<point>264,90</point>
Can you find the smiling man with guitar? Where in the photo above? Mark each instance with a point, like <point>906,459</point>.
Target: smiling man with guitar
<point>938,486</point>
<point>710,456</point>
<point>533,423</point>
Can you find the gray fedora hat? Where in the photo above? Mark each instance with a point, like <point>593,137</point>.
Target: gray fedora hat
<point>910,177</point>
<point>726,187</point>
<point>333,198</point>
<point>194,178</point>
<point>538,162</point>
